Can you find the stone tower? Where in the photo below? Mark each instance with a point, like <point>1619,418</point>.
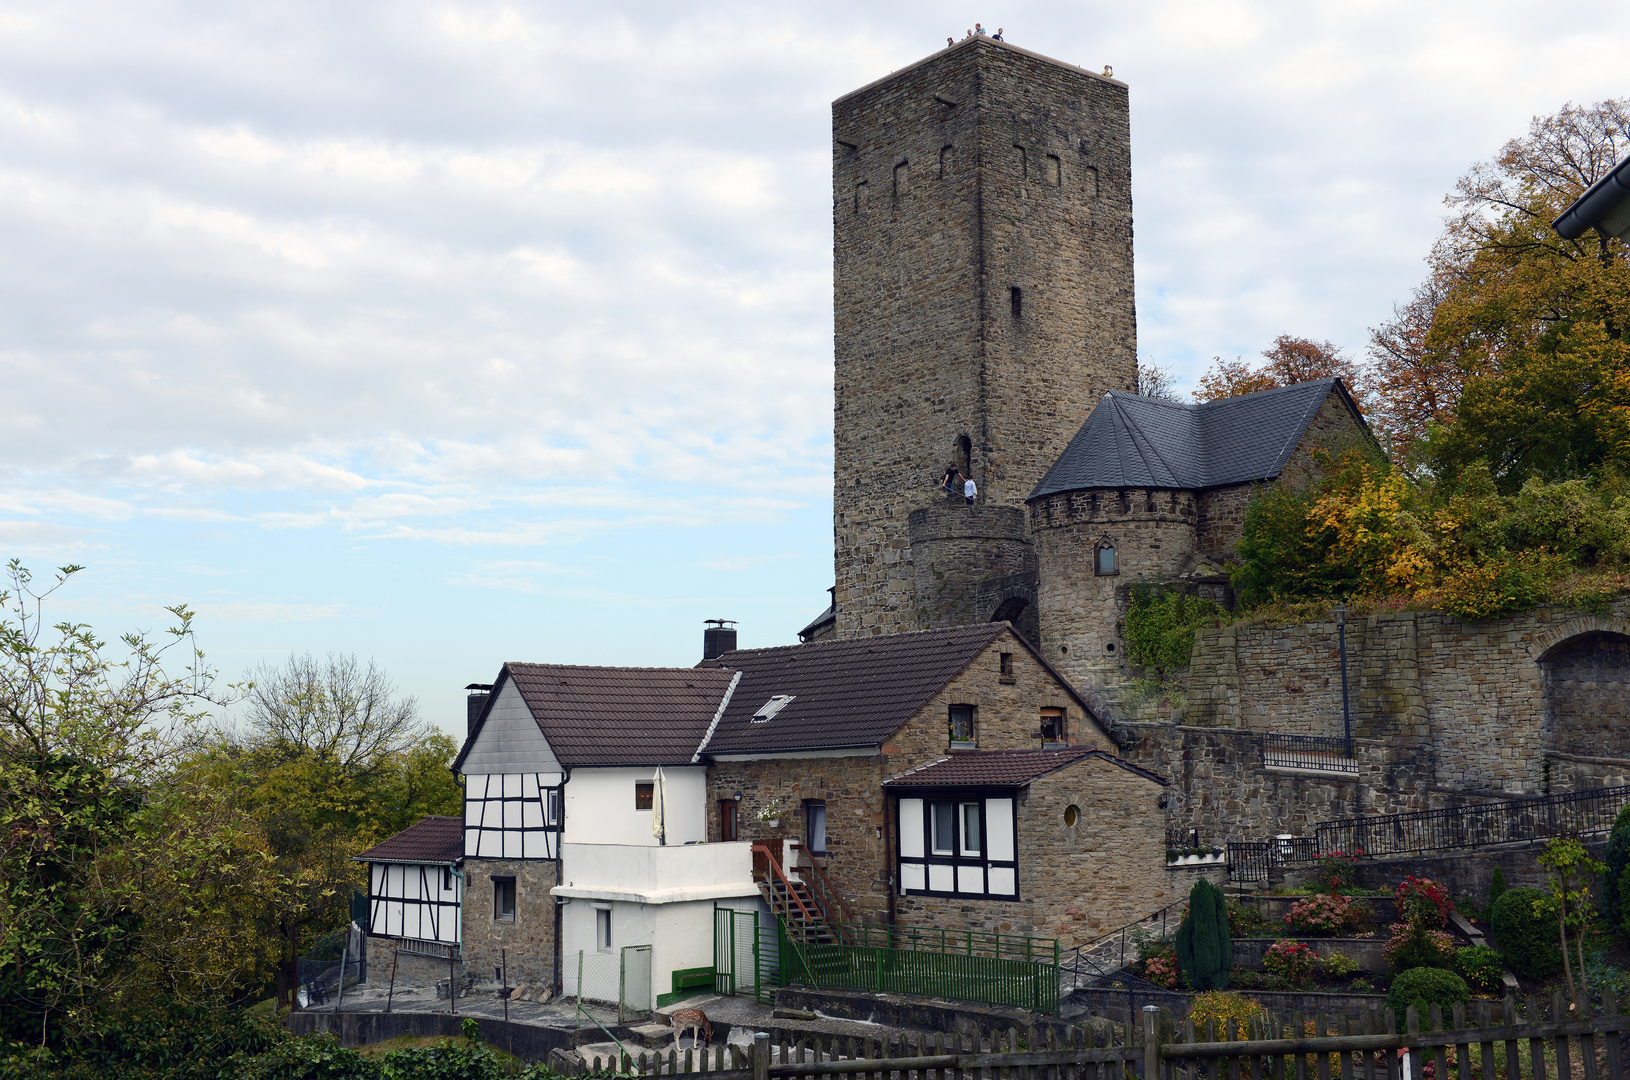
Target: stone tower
<point>982,220</point>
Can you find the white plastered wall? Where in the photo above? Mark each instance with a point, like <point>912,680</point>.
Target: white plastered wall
<point>600,805</point>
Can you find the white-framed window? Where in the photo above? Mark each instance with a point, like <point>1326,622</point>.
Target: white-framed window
<point>958,843</point>
<point>962,724</point>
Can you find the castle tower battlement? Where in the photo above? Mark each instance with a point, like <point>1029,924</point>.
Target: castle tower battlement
<point>982,220</point>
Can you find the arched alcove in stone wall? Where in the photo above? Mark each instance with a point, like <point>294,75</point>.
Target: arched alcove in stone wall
<point>1587,694</point>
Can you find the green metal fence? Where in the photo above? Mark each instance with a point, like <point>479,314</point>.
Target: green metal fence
<point>996,969</point>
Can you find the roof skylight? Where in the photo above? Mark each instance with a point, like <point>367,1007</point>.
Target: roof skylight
<point>771,707</point>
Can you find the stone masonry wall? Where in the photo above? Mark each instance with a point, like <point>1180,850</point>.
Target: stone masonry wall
<point>981,170</point>
<point>1153,533</point>
<point>529,939</point>
<point>967,562</point>
<point>859,861</point>
<point>1078,882</point>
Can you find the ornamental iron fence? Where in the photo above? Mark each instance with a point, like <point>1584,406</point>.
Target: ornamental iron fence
<point>1326,753</point>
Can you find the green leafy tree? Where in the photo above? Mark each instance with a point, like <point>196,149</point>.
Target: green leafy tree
<point>1570,869</point>
<point>91,844</point>
<point>1205,951</point>
<point>1616,879</point>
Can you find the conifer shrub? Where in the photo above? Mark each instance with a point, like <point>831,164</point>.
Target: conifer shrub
<point>1422,988</point>
<point>1616,881</point>
<point>1526,936</point>
<point>1205,951</point>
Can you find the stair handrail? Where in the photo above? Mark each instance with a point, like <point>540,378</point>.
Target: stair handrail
<point>792,894</point>
<point>823,885</point>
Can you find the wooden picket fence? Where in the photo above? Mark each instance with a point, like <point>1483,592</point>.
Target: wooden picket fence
<point>1486,1041</point>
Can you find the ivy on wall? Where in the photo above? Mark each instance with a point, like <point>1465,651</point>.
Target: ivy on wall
<point>1160,625</point>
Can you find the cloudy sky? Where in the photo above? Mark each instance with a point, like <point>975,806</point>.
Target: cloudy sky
<point>452,333</point>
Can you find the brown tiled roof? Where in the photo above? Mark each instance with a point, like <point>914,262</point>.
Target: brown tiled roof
<point>621,716</point>
<point>1003,768</point>
<point>433,840</point>
<point>850,693</point>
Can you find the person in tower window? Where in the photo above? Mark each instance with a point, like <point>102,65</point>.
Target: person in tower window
<point>969,491</point>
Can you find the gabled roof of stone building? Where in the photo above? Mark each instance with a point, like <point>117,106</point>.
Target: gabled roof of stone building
<point>1004,768</point>
<point>616,715</point>
<point>850,693</point>
<point>433,840</point>
<point>1138,442</point>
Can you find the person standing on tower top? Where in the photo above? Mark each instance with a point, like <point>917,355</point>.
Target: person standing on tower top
<point>969,491</point>
<point>998,35</point>
<point>979,31</point>
<point>948,481</point>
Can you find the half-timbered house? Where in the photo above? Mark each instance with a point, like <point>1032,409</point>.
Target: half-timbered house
<point>415,887</point>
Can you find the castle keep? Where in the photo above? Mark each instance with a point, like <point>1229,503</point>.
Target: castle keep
<point>982,216</point>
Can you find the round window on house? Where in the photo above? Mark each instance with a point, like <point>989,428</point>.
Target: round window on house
<point>1072,814</point>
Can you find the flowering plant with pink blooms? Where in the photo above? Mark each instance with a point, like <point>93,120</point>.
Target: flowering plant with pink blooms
<point>1328,913</point>
<point>1162,971</point>
<point>1334,871</point>
<point>1291,960</point>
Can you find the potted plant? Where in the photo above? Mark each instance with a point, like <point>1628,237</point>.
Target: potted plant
<point>771,814</point>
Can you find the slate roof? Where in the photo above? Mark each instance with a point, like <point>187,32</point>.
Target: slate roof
<point>1139,442</point>
<point>856,692</point>
<point>1003,768</point>
<point>433,840</point>
<point>621,716</point>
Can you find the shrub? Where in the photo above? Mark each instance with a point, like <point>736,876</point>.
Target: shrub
<point>1422,988</point>
<point>1497,884</point>
<point>1205,952</point>
<point>1328,913</point>
<point>1162,971</point>
<point>1616,881</point>
<point>1526,936</point>
<point>1339,964</point>
<point>1334,871</point>
<point>1416,947</point>
<point>1362,985</point>
<point>1423,903</point>
<point>1480,966</point>
<point>1222,1006</point>
<point>1247,920</point>
<point>1290,960</point>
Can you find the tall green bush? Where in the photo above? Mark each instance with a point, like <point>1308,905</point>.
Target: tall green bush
<point>1205,951</point>
<point>1526,933</point>
<point>1423,988</point>
<point>1616,882</point>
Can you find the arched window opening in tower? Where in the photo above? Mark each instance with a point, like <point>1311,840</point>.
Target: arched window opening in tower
<point>964,447</point>
<point>1104,559</point>
<point>1016,298</point>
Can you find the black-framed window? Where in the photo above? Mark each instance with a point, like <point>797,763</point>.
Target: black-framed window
<point>815,826</point>
<point>1053,726</point>
<point>958,842</point>
<point>644,794</point>
<point>1006,664</point>
<point>503,898</point>
<point>962,719</point>
<point>727,820</point>
<point>447,879</point>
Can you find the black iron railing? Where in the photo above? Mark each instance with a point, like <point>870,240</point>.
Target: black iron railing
<point>1592,810</point>
<point>1251,860</point>
<point>1329,753</point>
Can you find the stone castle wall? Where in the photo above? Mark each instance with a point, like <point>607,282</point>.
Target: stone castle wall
<point>973,565</point>
<point>982,294</point>
<point>1445,713</point>
<point>1153,532</point>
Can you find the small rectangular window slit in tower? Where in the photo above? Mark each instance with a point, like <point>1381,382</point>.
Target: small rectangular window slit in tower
<point>860,197</point>
<point>902,178</point>
<point>1055,171</point>
<point>1016,297</point>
